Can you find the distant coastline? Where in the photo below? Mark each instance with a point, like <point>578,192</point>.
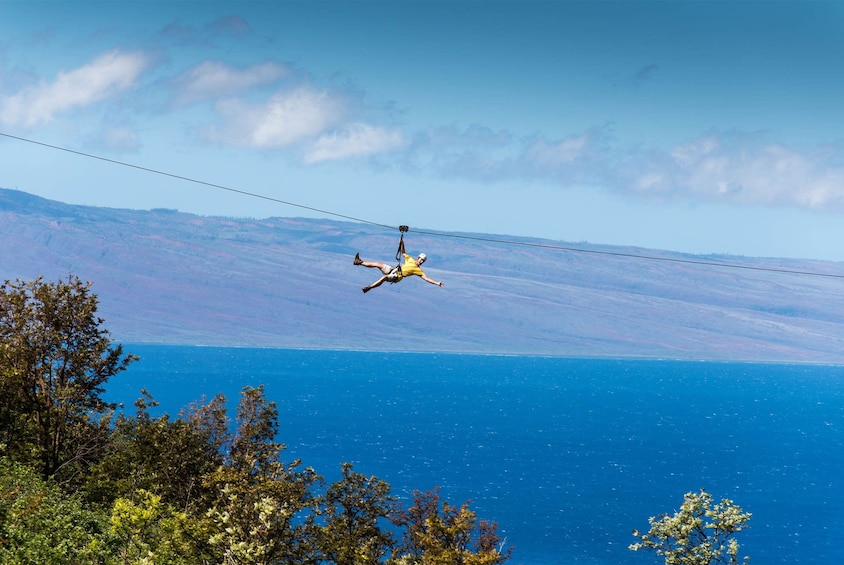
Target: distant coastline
<point>176,278</point>
<point>128,346</point>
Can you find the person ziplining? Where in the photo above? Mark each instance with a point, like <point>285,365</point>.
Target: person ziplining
<point>408,267</point>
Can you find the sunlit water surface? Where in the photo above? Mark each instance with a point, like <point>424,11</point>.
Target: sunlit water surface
<point>566,455</point>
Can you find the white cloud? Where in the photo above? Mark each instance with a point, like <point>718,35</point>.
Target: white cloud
<point>119,138</point>
<point>212,79</point>
<point>286,119</point>
<point>725,167</point>
<point>551,156</point>
<point>492,157</point>
<point>473,137</point>
<point>103,78</point>
<point>315,123</point>
<point>356,140</point>
<point>745,169</point>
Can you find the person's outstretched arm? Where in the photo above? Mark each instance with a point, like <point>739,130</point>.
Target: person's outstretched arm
<point>430,280</point>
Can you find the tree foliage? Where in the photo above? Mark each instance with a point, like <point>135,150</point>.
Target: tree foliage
<point>148,531</point>
<point>54,360</point>
<point>167,456</point>
<point>260,513</point>
<point>354,512</point>
<point>700,533</point>
<point>39,523</point>
<point>81,482</point>
<point>442,534</point>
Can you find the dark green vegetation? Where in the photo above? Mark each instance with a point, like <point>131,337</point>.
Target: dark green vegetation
<point>82,482</point>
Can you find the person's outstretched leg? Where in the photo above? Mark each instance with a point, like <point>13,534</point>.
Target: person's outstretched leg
<point>375,284</point>
<point>373,264</point>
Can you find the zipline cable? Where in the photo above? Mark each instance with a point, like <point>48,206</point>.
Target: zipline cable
<point>630,255</point>
<point>429,233</point>
<point>189,179</point>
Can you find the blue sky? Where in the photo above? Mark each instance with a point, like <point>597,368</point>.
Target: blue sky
<point>702,127</point>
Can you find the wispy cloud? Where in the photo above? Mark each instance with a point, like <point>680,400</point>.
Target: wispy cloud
<point>475,152</point>
<point>725,167</point>
<point>644,74</point>
<point>329,124</point>
<point>356,140</point>
<point>634,79</point>
<point>473,137</point>
<point>577,158</point>
<point>105,77</point>
<point>484,155</point>
<point>117,138</point>
<point>743,168</point>
<point>112,138</point>
<point>287,118</point>
<point>214,79</point>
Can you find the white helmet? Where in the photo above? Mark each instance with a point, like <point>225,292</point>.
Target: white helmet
<point>423,257</point>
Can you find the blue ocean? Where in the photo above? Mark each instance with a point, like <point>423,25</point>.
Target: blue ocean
<point>568,456</point>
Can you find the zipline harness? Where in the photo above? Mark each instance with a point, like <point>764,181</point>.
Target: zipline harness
<point>399,253</point>
<point>403,230</point>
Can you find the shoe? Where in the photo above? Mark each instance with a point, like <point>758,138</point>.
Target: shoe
<point>357,259</point>
<point>366,289</point>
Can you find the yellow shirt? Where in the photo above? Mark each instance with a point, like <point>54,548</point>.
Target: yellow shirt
<point>409,267</point>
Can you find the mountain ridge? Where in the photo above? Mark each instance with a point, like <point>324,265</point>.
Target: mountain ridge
<point>165,276</point>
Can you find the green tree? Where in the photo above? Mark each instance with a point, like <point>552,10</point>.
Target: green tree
<point>700,533</point>
<point>147,531</point>
<point>261,514</point>
<point>55,359</point>
<point>351,510</point>
<point>447,535</point>
<point>167,456</point>
<point>39,523</point>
